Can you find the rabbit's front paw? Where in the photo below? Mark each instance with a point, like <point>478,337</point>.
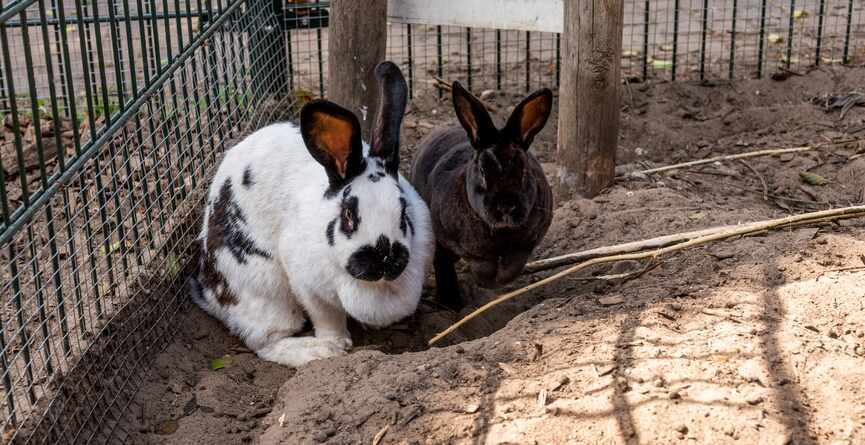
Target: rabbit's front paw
<point>294,351</point>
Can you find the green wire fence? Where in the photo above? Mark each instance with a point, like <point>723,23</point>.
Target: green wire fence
<point>114,113</point>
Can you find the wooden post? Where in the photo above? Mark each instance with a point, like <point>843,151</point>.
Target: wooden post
<point>589,96</point>
<point>356,43</point>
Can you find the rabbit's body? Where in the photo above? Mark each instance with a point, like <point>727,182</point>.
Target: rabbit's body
<point>490,201</point>
<point>495,256</point>
<point>281,238</point>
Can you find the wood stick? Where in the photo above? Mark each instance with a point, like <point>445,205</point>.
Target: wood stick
<point>653,243</point>
<point>635,246</point>
<point>745,229</point>
<point>752,154</point>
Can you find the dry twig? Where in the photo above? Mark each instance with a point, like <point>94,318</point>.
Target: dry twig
<point>760,177</point>
<point>723,233</point>
<point>441,83</point>
<point>752,154</point>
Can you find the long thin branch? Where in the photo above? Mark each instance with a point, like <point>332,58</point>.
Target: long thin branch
<point>635,246</point>
<point>858,211</point>
<point>752,154</point>
<point>652,243</point>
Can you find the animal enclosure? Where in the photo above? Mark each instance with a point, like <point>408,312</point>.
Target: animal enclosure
<point>116,112</point>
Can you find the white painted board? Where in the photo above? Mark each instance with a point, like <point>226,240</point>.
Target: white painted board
<point>524,15</point>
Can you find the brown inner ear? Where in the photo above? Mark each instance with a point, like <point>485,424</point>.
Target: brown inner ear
<point>468,117</point>
<point>334,136</point>
<point>533,116</point>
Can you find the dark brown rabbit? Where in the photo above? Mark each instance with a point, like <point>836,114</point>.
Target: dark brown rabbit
<point>490,202</point>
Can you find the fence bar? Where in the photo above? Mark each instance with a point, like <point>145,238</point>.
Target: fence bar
<point>40,154</point>
<point>762,39</point>
<point>60,155</point>
<point>469,58</point>
<point>846,57</point>
<point>704,26</point>
<point>320,62</point>
<point>290,61</point>
<point>790,33</point>
<point>675,39</point>
<point>819,32</point>
<point>733,39</point>
<point>558,59</point>
<point>440,64</point>
<point>528,60</point>
<point>498,59</point>
<point>23,334</point>
<point>646,41</point>
<point>410,62</point>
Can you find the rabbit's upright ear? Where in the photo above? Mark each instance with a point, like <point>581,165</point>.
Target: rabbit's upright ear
<point>392,101</point>
<point>332,136</point>
<point>474,118</point>
<point>529,117</point>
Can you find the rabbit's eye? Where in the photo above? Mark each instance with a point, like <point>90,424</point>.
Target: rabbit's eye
<point>349,218</point>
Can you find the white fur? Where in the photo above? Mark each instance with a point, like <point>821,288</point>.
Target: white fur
<point>287,215</point>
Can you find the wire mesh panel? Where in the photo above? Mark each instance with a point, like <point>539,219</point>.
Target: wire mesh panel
<point>114,113</point>
<point>662,39</point>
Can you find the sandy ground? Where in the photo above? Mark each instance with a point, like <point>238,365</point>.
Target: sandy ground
<point>759,339</point>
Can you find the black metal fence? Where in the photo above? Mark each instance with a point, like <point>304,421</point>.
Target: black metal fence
<point>114,113</point>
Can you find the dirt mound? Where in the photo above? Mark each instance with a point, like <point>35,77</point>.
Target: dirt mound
<point>758,339</point>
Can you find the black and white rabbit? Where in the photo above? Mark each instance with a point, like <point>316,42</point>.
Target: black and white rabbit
<point>490,201</point>
<point>312,220</point>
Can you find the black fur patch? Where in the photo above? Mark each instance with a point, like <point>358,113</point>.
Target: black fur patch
<point>383,260</point>
<point>247,177</point>
<point>373,177</point>
<point>225,227</point>
<point>329,231</point>
<point>209,277</point>
<point>405,223</point>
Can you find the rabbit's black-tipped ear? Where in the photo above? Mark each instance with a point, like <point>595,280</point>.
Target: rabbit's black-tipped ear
<point>529,117</point>
<point>392,102</point>
<point>332,136</point>
<point>474,118</point>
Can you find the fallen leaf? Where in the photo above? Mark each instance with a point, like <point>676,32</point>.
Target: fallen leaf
<point>220,362</point>
<point>661,64</point>
<point>813,178</point>
<point>172,265</point>
<point>167,427</point>
<point>800,14</point>
<point>696,216</point>
<point>775,38</point>
<point>281,420</point>
<point>115,246</point>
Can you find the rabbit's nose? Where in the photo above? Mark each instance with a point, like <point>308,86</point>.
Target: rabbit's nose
<point>507,208</point>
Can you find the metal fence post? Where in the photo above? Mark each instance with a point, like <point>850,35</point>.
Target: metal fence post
<point>269,52</point>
